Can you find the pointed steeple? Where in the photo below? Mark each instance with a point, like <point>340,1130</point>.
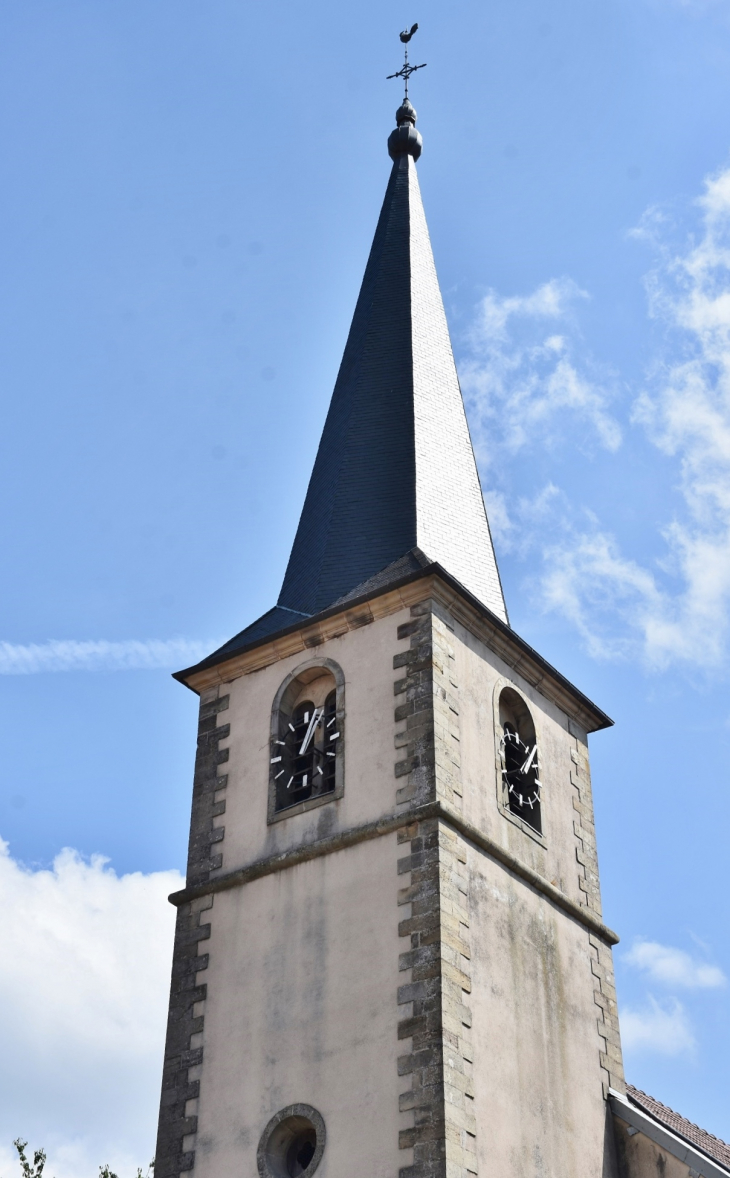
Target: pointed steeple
<point>395,470</point>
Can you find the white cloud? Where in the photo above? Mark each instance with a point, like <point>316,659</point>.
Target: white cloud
<point>678,608</point>
<point>673,967</point>
<point>661,1030</point>
<point>84,978</point>
<point>72,655</point>
<point>552,300</point>
<point>587,579</point>
<point>520,379</point>
<point>687,414</point>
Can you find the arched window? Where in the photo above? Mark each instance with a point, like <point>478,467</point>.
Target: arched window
<point>306,763</point>
<point>520,759</point>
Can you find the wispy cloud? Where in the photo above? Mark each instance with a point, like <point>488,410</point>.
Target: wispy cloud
<point>73,655</point>
<point>520,377</point>
<point>677,608</point>
<point>586,578</point>
<point>83,996</point>
<point>673,967</point>
<point>659,1029</point>
<point>686,412</point>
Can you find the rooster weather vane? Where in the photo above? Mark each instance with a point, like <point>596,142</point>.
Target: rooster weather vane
<point>407,68</point>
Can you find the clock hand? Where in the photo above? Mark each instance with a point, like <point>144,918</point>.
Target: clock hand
<point>316,717</point>
<point>526,767</point>
<point>516,775</point>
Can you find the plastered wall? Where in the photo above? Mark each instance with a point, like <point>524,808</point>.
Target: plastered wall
<point>538,1084</point>
<point>301,1008</point>
<point>641,1158</point>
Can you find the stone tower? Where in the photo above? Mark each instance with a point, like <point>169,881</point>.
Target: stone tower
<point>390,957</point>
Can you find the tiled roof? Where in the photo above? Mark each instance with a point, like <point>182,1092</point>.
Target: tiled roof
<point>712,1146</point>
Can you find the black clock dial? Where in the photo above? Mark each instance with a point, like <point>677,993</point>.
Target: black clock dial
<point>521,775</point>
<point>304,755</point>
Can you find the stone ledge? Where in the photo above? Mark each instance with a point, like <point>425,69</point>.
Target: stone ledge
<point>383,826</point>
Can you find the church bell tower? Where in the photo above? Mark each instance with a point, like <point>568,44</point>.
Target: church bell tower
<point>390,958</point>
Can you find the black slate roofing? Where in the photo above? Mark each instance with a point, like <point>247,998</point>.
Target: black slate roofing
<point>266,626</point>
<point>280,619</point>
<point>359,514</point>
<point>395,468</point>
<point>410,563</point>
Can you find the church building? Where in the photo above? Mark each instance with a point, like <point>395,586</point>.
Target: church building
<point>390,958</point>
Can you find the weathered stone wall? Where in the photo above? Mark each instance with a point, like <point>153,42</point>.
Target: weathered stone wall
<point>436,1020</point>
<point>436,1017</point>
<point>537,1051</point>
<point>183,1054</point>
<point>406,955</point>
<point>552,1028</point>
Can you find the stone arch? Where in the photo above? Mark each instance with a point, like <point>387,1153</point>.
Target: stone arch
<point>316,686</point>
<point>516,735</point>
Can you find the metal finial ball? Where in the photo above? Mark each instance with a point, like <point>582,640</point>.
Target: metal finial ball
<point>405,140</point>
<point>405,114</point>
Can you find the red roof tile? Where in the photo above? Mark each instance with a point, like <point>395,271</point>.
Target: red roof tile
<point>716,1149</point>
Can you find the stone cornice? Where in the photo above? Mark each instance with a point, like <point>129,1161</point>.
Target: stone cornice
<point>434,582</point>
<point>386,825</point>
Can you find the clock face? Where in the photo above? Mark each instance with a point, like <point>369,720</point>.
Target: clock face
<point>304,755</point>
<point>521,775</point>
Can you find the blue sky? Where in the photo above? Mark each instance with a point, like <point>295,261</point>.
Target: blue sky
<point>188,197</point>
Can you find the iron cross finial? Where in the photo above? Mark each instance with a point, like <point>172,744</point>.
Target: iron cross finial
<point>407,68</point>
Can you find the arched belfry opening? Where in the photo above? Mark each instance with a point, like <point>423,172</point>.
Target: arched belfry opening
<point>520,759</point>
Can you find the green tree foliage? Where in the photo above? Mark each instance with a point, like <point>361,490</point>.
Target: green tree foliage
<point>105,1172</point>
<point>39,1160</point>
<point>36,1168</point>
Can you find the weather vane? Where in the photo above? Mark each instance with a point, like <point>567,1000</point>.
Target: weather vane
<point>407,69</point>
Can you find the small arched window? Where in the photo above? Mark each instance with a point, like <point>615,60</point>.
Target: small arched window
<point>306,764</point>
<point>520,760</point>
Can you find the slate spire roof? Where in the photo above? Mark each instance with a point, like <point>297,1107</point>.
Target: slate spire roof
<point>395,469</point>
<point>395,486</point>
